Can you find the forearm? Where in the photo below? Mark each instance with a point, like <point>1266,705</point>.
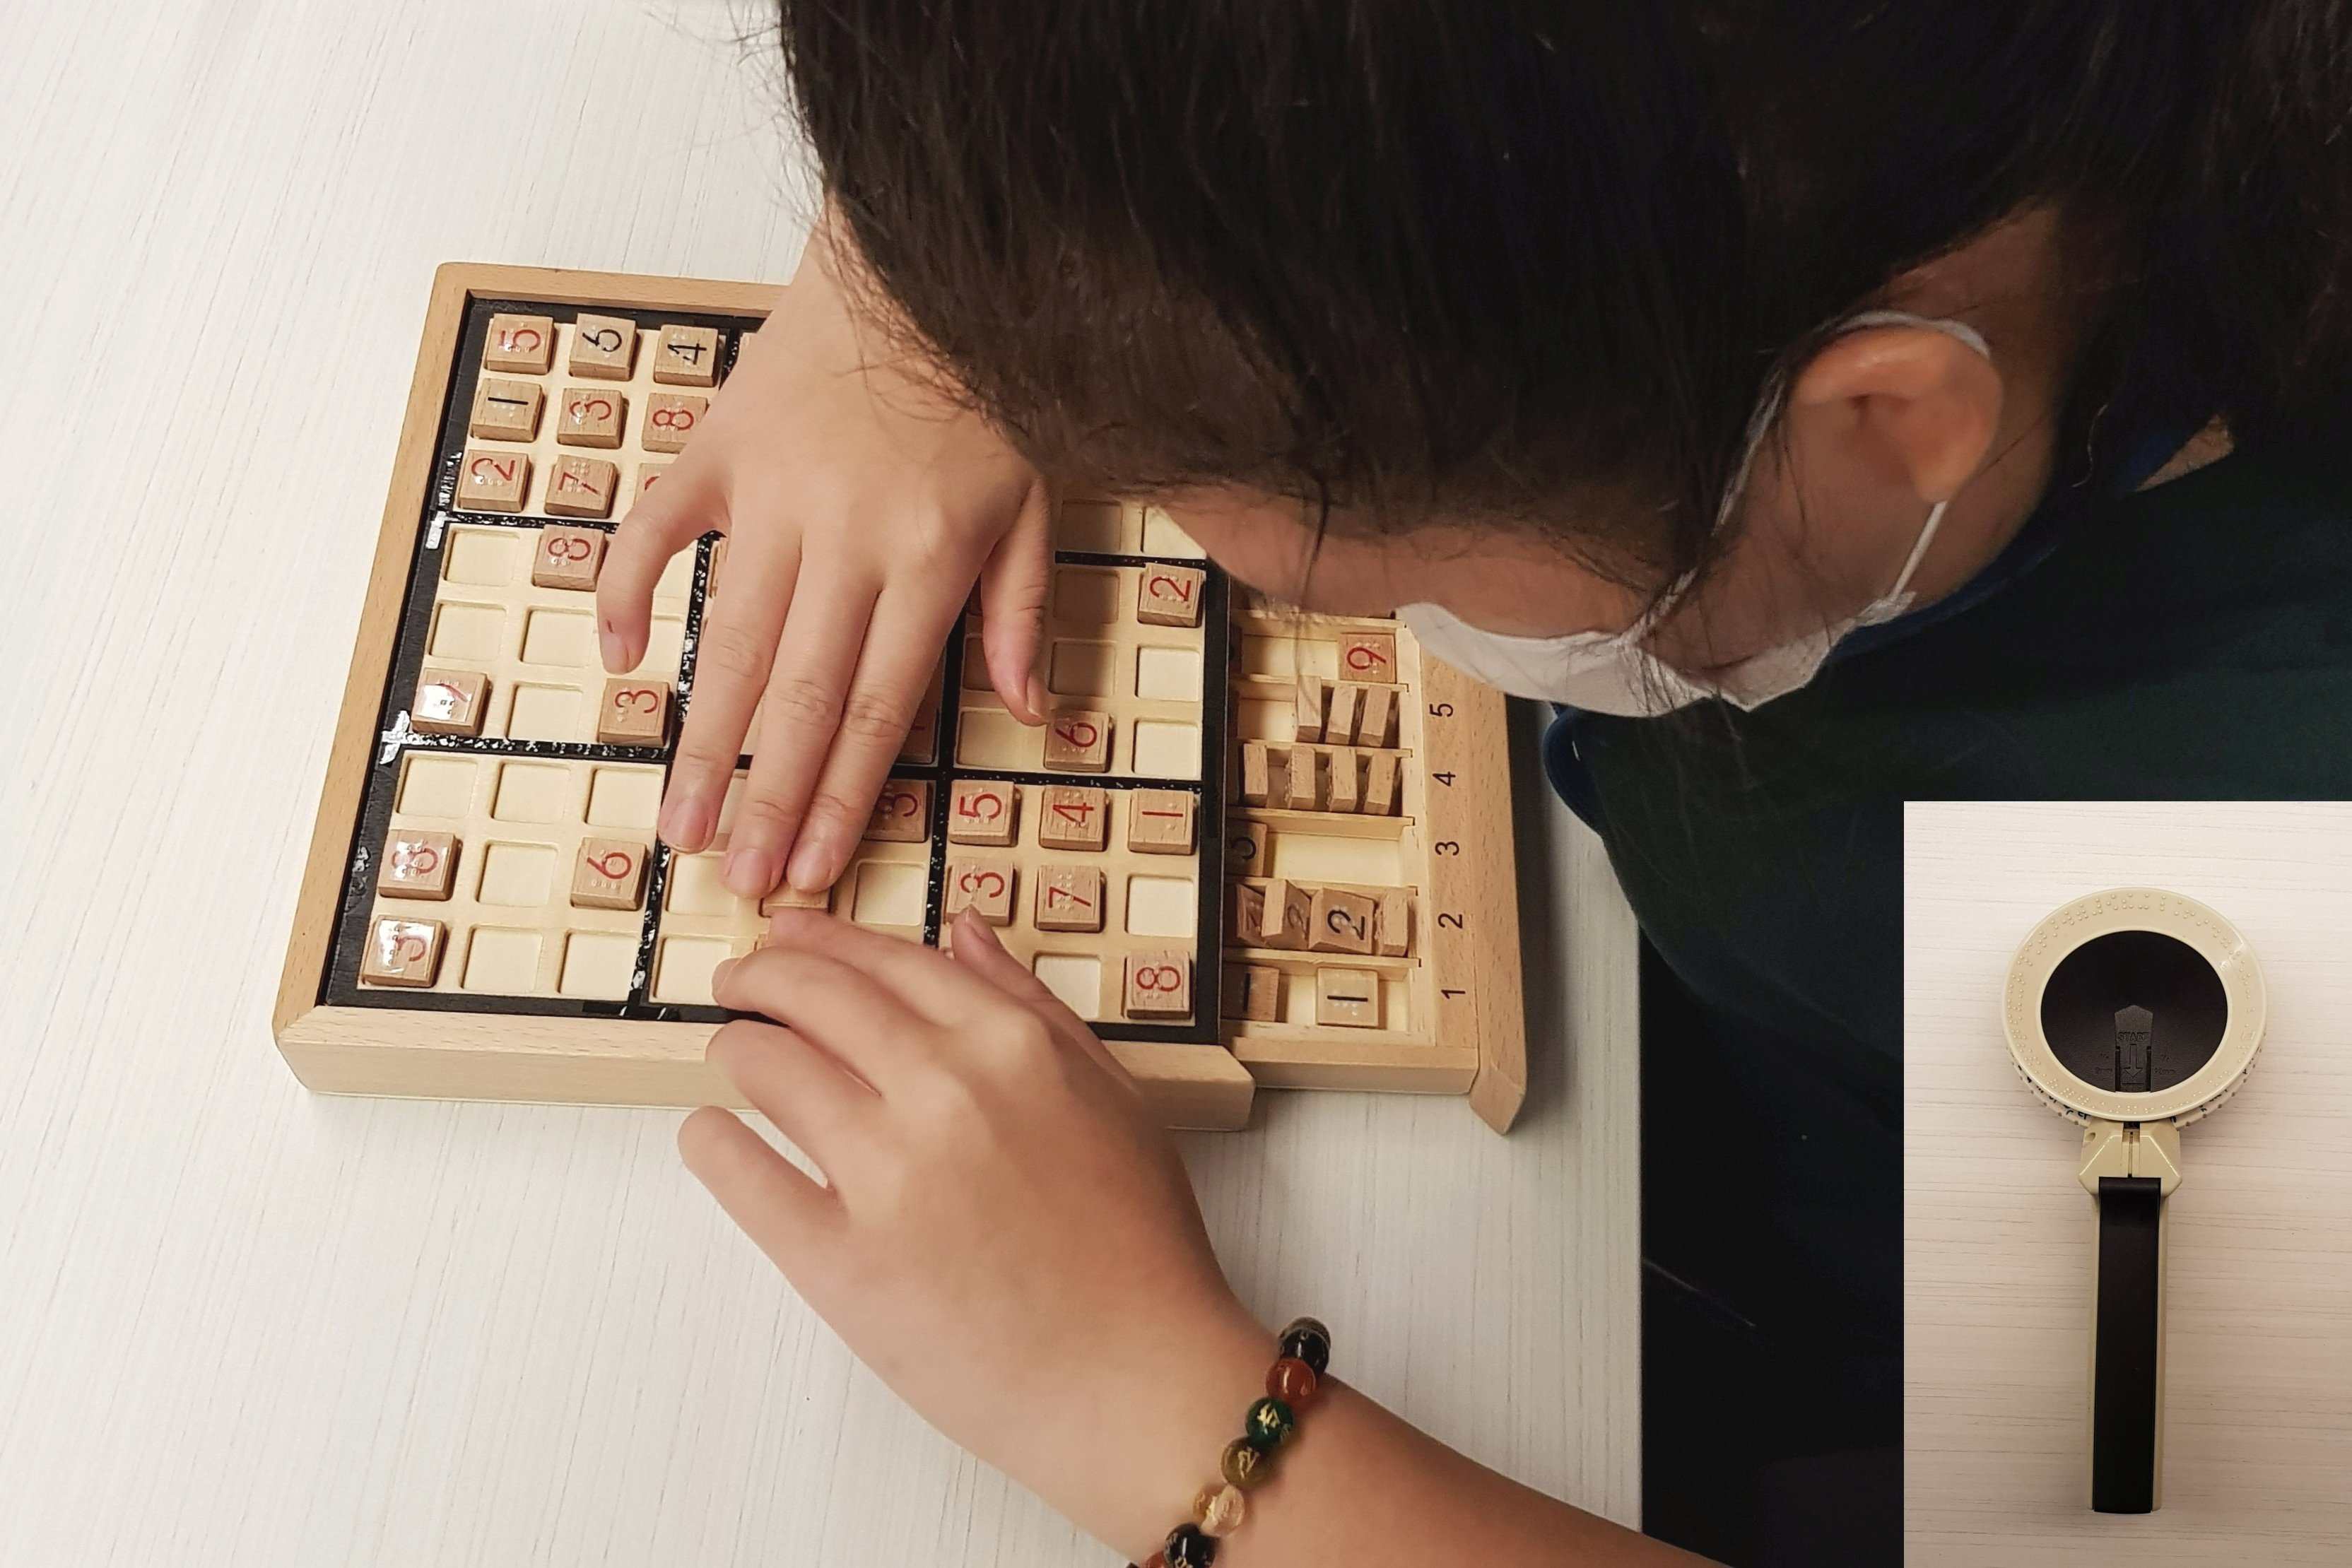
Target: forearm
<point>1357,1485</point>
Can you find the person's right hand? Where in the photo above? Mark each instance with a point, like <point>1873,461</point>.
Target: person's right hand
<point>860,504</point>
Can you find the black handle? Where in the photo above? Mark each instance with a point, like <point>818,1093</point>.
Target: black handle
<point>2126,1344</point>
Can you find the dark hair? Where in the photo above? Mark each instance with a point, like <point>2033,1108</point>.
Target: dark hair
<point>1483,257</point>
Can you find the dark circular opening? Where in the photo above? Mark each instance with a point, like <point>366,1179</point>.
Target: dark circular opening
<point>2134,1011</point>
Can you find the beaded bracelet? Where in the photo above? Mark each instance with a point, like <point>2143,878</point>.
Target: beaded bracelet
<point>1248,1460</point>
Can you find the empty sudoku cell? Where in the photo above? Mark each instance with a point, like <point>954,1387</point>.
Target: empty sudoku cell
<point>981,812</point>
<point>983,887</point>
<point>417,863</point>
<point>670,418</point>
<point>492,481</point>
<point>1348,997</point>
<point>634,712</point>
<point>1170,595</point>
<point>902,812</point>
<point>1160,821</point>
<point>449,702</point>
<point>1394,926</point>
<point>581,487</point>
<point>1078,741</point>
<point>1285,922</point>
<point>519,345</point>
<point>1069,898</point>
<point>1159,986</point>
<point>591,416</point>
<point>505,410</point>
<point>1341,922</point>
<point>1253,992</point>
<point>1368,656</point>
<point>610,873</point>
<point>686,356</point>
<point>604,348</point>
<point>402,952</point>
<point>1073,816</point>
<point>568,557</point>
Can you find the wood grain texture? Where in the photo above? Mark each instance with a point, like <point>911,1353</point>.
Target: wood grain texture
<point>245,1326</point>
<point>1998,1232</point>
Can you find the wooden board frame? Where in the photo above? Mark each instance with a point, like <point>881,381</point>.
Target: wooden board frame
<point>1471,980</point>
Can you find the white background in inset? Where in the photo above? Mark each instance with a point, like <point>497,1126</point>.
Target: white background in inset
<point>1997,1233</point>
<point>248,1327</point>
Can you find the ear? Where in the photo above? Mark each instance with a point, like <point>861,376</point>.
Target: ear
<point>1911,406</point>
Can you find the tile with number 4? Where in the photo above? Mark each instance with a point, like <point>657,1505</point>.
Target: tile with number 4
<point>1073,817</point>
<point>686,357</point>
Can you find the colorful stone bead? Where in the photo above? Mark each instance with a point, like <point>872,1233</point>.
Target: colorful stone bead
<point>1269,1421</point>
<point>1188,1548</point>
<point>1292,1381</point>
<point>1309,1342</point>
<point>1244,1464</point>
<point>1218,1510</point>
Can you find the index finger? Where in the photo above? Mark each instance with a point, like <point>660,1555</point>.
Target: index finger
<point>925,980</point>
<point>671,517</point>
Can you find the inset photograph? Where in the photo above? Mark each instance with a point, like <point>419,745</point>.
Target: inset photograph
<point>2128,1183</point>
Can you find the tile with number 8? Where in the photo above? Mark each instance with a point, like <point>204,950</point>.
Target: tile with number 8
<point>670,418</point>
<point>1159,986</point>
<point>568,558</point>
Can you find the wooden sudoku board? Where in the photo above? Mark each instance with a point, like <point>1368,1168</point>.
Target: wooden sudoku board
<point>1254,847</point>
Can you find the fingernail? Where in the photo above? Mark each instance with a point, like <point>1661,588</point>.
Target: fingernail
<point>812,868</point>
<point>608,647</point>
<point>749,872</point>
<point>685,825</point>
<point>1034,695</point>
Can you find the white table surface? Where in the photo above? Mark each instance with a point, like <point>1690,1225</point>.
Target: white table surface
<point>240,1324</point>
<point>1998,1232</point>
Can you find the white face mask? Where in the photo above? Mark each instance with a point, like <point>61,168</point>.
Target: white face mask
<point>1611,672</point>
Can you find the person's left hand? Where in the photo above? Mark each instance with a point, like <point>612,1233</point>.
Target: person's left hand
<point>1006,1235</point>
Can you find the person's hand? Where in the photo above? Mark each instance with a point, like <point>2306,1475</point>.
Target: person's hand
<point>860,504</point>
<point>1006,1235</point>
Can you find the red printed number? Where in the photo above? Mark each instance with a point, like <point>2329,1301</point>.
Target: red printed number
<point>519,341</point>
<point>985,883</point>
<point>1159,978</point>
<point>673,418</point>
<point>1161,586</point>
<point>1056,893</point>
<point>898,803</point>
<point>637,699</point>
<point>502,467</point>
<point>1363,658</point>
<point>972,806</point>
<point>414,860</point>
<point>613,864</point>
<point>587,408</point>
<point>1078,732</point>
<point>1077,811</point>
<point>569,547</point>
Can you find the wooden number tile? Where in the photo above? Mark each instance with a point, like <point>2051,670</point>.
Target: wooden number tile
<point>1347,775</point>
<point>670,418</point>
<point>592,416</point>
<point>1249,916</point>
<point>505,410</point>
<point>604,348</point>
<point>609,874</point>
<point>519,345</point>
<point>1253,991</point>
<point>416,864</point>
<point>1073,816</point>
<point>1298,780</point>
<point>1069,898</point>
<point>1341,922</point>
<point>402,952</point>
<point>902,812</point>
<point>634,712</point>
<point>1256,771</point>
<point>1285,922</point>
<point>568,557</point>
<point>1350,997</point>
<point>1159,986</point>
<point>1376,723</point>
<point>1381,784</point>
<point>1369,656</point>
<point>449,702</point>
<point>492,481</point>
<point>1340,727</point>
<point>984,889</point>
<point>1394,926</point>
<point>1160,821</point>
<point>1310,708</point>
<point>1170,595</point>
<point>981,812</point>
<point>1246,849</point>
<point>686,357</point>
<point>647,474</point>
<point>791,897</point>
<point>581,487</point>
<point>1078,742</point>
